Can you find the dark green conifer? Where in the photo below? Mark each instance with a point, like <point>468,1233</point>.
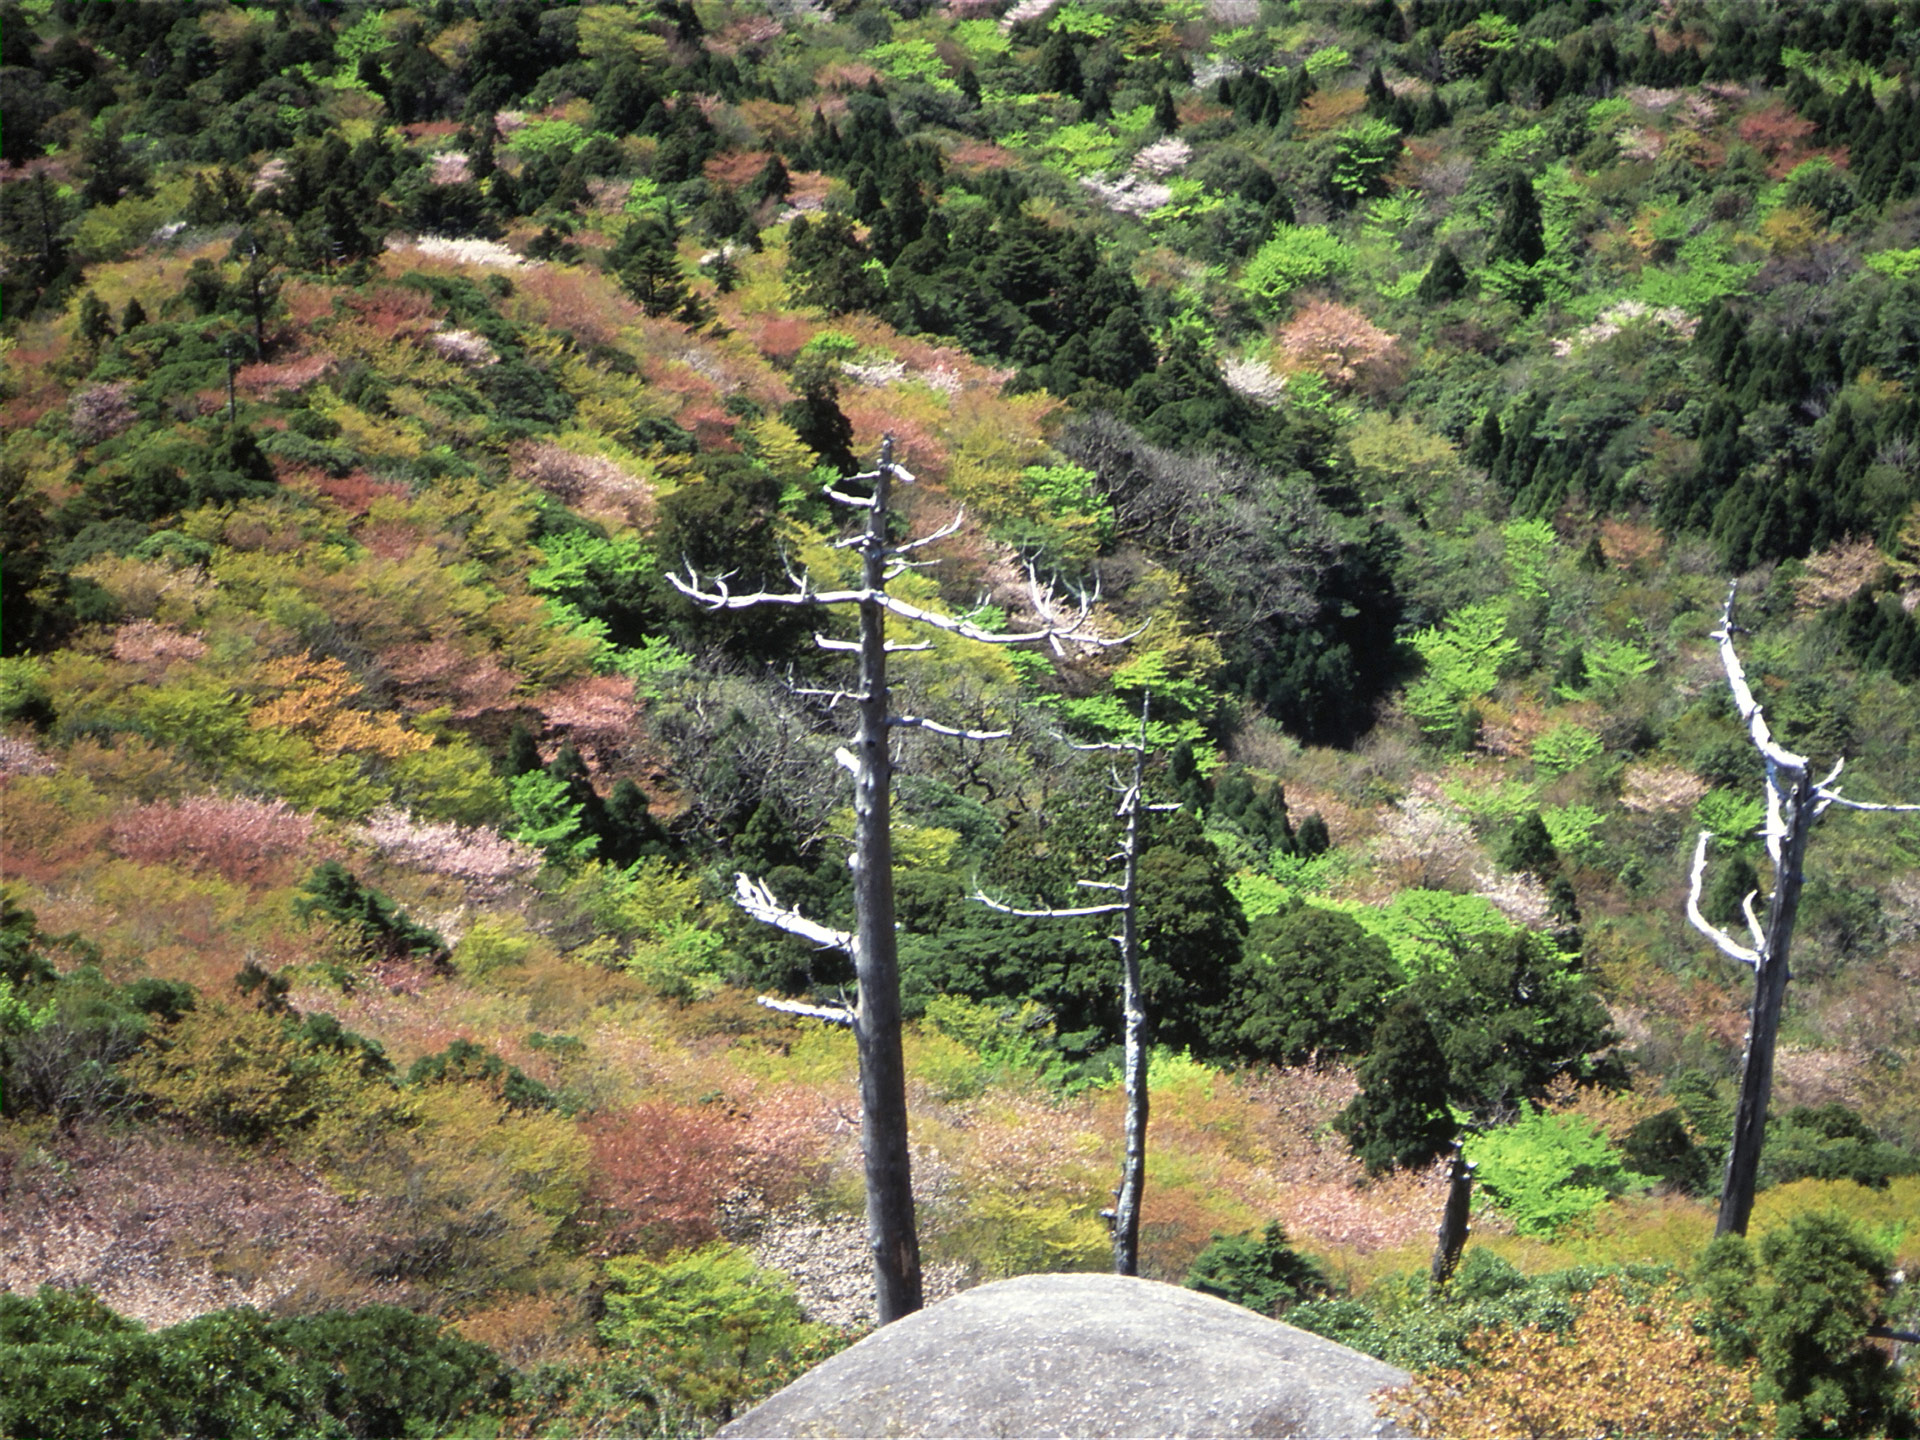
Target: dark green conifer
<point>1400,1117</point>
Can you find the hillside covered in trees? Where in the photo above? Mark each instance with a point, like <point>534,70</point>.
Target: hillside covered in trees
<point>1408,381</point>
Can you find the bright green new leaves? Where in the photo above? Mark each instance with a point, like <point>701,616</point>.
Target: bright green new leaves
<point>1607,664</point>
<point>1362,155</point>
<point>1075,19</point>
<point>713,1325</point>
<point>1565,747</point>
<point>1296,255</point>
<point>549,817</point>
<point>1546,1171</point>
<point>1730,816</point>
<point>1464,658</point>
<point>1071,496</point>
<point>914,61</point>
<point>1529,550</point>
<point>1571,827</point>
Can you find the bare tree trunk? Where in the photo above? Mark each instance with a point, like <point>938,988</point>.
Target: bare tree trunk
<point>875,1017</point>
<point>1133,1161</point>
<point>1770,976</point>
<point>1794,801</point>
<point>1452,1236</point>
<point>1133,1164</point>
<point>883,1078</point>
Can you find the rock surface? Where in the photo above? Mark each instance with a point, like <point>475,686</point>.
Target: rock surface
<point>1082,1355</point>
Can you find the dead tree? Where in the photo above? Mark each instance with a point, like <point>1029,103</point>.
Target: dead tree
<point>1795,800</point>
<point>875,1015</point>
<point>1451,1238</point>
<point>1133,1163</point>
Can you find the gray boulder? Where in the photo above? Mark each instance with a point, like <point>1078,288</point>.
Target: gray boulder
<point>1082,1355</point>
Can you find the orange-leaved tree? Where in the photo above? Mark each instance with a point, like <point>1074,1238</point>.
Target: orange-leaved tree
<point>1627,1367</point>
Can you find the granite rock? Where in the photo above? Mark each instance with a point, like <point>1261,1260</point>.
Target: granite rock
<point>1083,1355</point>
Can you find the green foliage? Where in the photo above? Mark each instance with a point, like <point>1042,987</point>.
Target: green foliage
<point>1071,494</point>
<point>1360,158</point>
<point>1401,1116</point>
<point>1830,1142</point>
<point>1512,1013</point>
<point>1731,816</point>
<point>1426,929</point>
<point>549,816</point>
<point>1312,984</point>
<point>1546,1171</point>
<point>708,1324</point>
<point>1660,1147</point>
<point>1803,1312</point>
<point>1567,746</point>
<point>372,924</point>
<point>1009,1040</point>
<point>1464,658</point>
<point>65,1036</point>
<point>1529,547</point>
<point>1263,1273</point>
<point>1405,1322</point>
<point>77,1369</point>
<point>1295,256</point>
<point>465,1063</point>
<point>1529,846</point>
<point>1572,827</point>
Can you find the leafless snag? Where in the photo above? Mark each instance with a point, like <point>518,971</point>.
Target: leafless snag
<point>875,1016</point>
<point>1795,800</point>
<point>1133,1164</point>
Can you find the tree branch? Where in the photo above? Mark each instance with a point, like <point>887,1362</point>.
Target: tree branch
<point>832,1014</point>
<point>916,722</point>
<point>754,898</point>
<point>1722,941</point>
<point>1049,913</point>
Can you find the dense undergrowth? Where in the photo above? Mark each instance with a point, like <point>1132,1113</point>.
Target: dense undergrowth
<point>1416,375</point>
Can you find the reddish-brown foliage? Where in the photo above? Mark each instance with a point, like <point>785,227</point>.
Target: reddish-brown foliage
<point>1781,135</point>
<point>239,838</point>
<point>262,382</point>
<point>659,1174</point>
<point>392,311</point>
<point>154,646</point>
<point>33,373</point>
<point>306,304</point>
<point>780,336</point>
<point>1343,345</point>
<point>598,715</point>
<point>442,672</point>
<point>734,168</point>
<point>581,303</point>
<point>846,75</point>
<point>980,155</point>
<point>353,492</point>
<point>165,1229</point>
<point>586,482</point>
<point>916,446</point>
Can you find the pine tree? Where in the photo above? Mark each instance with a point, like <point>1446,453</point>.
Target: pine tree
<point>1445,279</point>
<point>1521,237</point>
<point>649,268</point>
<point>1166,119</point>
<point>1400,1117</point>
<point>1060,66</point>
